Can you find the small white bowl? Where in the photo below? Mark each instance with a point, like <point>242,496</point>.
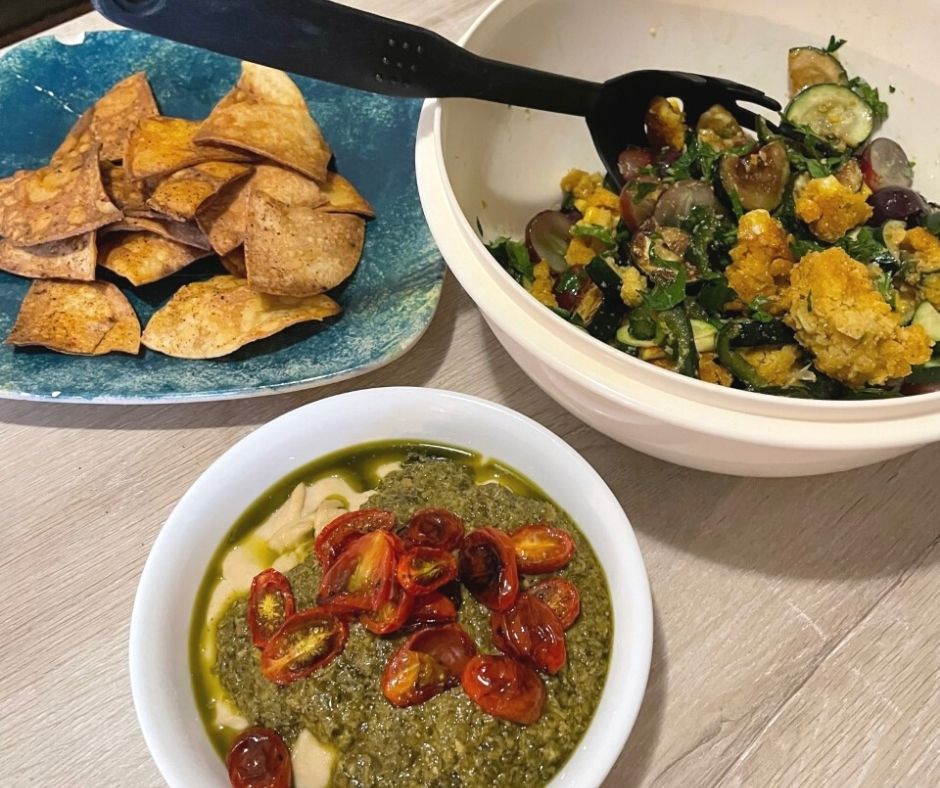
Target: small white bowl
<point>500,165</point>
<point>159,661</point>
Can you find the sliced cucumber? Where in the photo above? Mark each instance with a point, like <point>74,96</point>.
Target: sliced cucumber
<point>812,66</point>
<point>704,335</point>
<point>928,318</point>
<point>833,112</point>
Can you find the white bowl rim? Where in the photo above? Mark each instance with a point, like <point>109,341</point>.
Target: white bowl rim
<point>584,343</point>
<point>621,697</point>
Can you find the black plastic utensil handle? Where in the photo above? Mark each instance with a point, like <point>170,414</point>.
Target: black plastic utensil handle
<point>349,47</point>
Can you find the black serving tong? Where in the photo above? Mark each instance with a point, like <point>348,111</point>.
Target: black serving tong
<point>338,44</point>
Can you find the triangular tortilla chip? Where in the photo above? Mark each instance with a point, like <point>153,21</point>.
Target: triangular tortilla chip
<point>182,194</point>
<point>79,140</point>
<point>342,196</point>
<point>187,233</point>
<point>298,250</point>
<point>130,196</point>
<point>159,146</point>
<point>56,202</point>
<point>267,85</point>
<point>224,219</point>
<point>215,317</point>
<point>79,318</point>
<point>144,257</point>
<point>284,134</point>
<point>70,258</point>
<point>234,262</point>
<point>116,114</point>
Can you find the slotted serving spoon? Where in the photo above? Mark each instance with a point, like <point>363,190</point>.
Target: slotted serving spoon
<point>338,44</point>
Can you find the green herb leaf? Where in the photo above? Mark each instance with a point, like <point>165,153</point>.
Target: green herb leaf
<point>870,96</point>
<point>714,295</point>
<point>594,231</point>
<point>711,237</point>
<point>758,312</point>
<point>513,256</point>
<point>867,246</point>
<point>736,205</point>
<point>643,189</point>
<point>834,45</point>
<point>803,246</point>
<point>670,280</point>
<point>932,223</point>
<point>567,202</point>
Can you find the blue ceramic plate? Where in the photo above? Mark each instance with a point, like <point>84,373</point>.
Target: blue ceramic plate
<point>387,303</point>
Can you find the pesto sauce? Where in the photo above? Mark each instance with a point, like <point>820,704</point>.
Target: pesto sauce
<point>447,741</point>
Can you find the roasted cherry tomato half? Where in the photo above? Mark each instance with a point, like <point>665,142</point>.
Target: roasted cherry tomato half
<point>530,631</point>
<point>428,663</point>
<point>270,604</point>
<point>434,528</point>
<point>422,570</point>
<point>487,567</point>
<point>450,645</point>
<point>258,758</point>
<point>431,610</point>
<point>561,596</point>
<point>392,615</point>
<point>360,579</point>
<point>541,548</point>
<point>505,688</point>
<point>338,533</point>
<point>412,677</point>
<point>309,640</point>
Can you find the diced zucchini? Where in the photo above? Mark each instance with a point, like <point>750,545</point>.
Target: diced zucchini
<point>624,337</point>
<point>833,112</point>
<point>704,335</point>
<point>928,318</point>
<point>812,66</point>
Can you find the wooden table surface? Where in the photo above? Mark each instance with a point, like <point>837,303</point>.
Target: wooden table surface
<point>797,628</point>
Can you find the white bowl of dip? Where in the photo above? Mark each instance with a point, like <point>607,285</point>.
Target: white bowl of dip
<point>161,682</point>
<point>500,165</point>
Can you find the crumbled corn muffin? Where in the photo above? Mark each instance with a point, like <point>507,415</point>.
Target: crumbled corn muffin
<point>761,261</point>
<point>831,209</point>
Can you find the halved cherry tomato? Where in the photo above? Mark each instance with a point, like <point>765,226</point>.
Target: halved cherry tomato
<point>411,677</point>
<point>541,548</point>
<point>338,533</point>
<point>392,615</point>
<point>432,609</point>
<point>487,567</point>
<point>450,645</point>
<point>561,596</point>
<point>434,528</point>
<point>270,604</point>
<point>258,758</point>
<point>505,688</point>
<point>422,570</point>
<point>309,640</point>
<point>360,579</point>
<point>530,631</point>
<point>428,663</point>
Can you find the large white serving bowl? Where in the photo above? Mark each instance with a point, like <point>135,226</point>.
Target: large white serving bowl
<point>159,660</point>
<point>499,165</point>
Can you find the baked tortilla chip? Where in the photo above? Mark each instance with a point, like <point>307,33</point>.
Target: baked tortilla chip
<point>116,114</point>
<point>56,202</point>
<point>126,194</point>
<point>267,85</point>
<point>187,233</point>
<point>298,250</point>
<point>70,258</point>
<point>79,318</point>
<point>159,146</point>
<point>224,219</point>
<point>234,262</point>
<point>215,317</point>
<point>180,195</point>
<point>342,196</point>
<point>284,134</point>
<point>144,257</point>
<point>79,140</point>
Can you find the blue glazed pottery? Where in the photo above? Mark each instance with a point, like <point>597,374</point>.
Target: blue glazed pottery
<point>387,304</point>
